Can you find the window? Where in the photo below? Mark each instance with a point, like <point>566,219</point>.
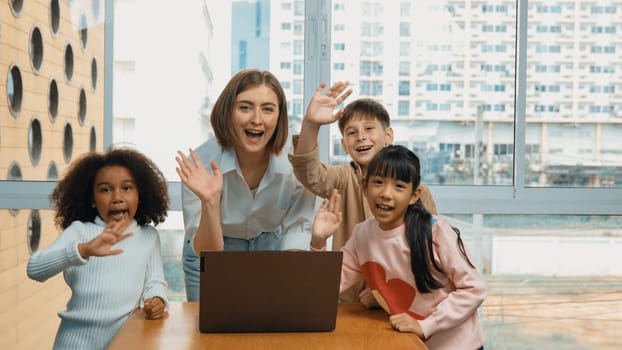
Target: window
<point>518,140</point>
<point>403,108</point>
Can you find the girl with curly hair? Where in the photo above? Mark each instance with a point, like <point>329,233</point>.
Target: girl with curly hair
<point>108,251</point>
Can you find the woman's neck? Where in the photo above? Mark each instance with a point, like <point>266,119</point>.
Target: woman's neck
<point>253,166</point>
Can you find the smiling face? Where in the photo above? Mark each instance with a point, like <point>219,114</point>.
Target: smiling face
<point>115,193</point>
<point>363,137</point>
<point>255,117</point>
<point>388,199</point>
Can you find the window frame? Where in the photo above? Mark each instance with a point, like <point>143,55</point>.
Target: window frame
<point>472,199</point>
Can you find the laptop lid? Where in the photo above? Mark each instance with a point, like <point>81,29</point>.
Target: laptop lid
<point>269,291</point>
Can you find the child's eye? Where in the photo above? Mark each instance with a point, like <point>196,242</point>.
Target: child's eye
<point>351,132</point>
<point>104,189</point>
<point>401,185</point>
<point>369,128</point>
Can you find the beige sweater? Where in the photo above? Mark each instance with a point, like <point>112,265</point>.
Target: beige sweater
<point>320,179</point>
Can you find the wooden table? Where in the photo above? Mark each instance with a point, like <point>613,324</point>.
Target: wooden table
<point>356,328</point>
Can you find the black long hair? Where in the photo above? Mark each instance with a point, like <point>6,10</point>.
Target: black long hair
<point>398,162</point>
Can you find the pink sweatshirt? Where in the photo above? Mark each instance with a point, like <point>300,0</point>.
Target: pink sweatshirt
<point>447,315</point>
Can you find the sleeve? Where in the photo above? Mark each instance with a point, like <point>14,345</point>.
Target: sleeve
<point>60,255</point>
<point>296,224</point>
<point>155,283</point>
<point>427,200</point>
<point>316,176</point>
<point>470,287</point>
<point>351,272</point>
<point>191,208</point>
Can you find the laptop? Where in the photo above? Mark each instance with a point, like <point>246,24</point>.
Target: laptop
<point>269,291</point>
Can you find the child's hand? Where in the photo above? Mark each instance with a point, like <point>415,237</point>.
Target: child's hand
<point>404,323</point>
<point>327,220</point>
<point>207,186</point>
<point>321,106</point>
<point>153,308</point>
<point>102,244</point>
<point>367,299</point>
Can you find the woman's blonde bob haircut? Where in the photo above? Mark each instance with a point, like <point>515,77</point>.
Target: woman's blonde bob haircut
<point>222,112</point>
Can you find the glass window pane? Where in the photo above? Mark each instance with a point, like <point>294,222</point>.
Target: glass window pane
<point>451,64</point>
<point>155,90</point>
<point>574,102</point>
<point>553,281</point>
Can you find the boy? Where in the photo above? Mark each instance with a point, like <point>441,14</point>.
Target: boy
<point>365,127</point>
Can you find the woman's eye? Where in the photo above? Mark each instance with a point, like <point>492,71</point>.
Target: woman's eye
<point>269,109</point>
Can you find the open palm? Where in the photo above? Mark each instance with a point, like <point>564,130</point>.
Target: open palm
<point>328,218</point>
<point>207,186</point>
<point>322,106</point>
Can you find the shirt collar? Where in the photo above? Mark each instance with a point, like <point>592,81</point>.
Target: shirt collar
<point>278,164</point>
<point>228,161</point>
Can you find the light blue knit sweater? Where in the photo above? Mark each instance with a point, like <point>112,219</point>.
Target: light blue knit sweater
<point>105,290</point>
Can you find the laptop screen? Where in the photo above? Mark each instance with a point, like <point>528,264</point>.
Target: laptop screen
<point>269,291</point>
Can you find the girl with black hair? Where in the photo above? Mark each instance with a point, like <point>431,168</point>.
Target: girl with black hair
<point>415,263</point>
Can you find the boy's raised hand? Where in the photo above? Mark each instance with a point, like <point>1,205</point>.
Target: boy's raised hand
<point>322,106</point>
<point>327,220</point>
<point>207,186</point>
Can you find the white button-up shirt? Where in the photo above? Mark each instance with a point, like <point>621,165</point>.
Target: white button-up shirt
<point>280,203</point>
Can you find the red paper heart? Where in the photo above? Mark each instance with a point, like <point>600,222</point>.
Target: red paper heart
<point>398,294</point>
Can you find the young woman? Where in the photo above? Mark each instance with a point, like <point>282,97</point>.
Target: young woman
<point>414,263</point>
<point>108,252</point>
<point>250,200</point>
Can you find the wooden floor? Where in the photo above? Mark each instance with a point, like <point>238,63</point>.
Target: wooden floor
<point>553,313</point>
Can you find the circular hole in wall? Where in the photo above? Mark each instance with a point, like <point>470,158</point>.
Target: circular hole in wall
<point>36,49</point>
<point>14,90</point>
<point>52,171</point>
<point>34,230</point>
<point>35,141</point>
<point>54,16</point>
<point>84,34</point>
<point>68,62</point>
<point>82,107</point>
<point>93,140</point>
<point>67,143</point>
<point>16,7</point>
<point>53,100</point>
<point>15,174</point>
<point>94,73</point>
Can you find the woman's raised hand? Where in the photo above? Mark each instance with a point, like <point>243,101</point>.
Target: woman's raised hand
<point>207,186</point>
